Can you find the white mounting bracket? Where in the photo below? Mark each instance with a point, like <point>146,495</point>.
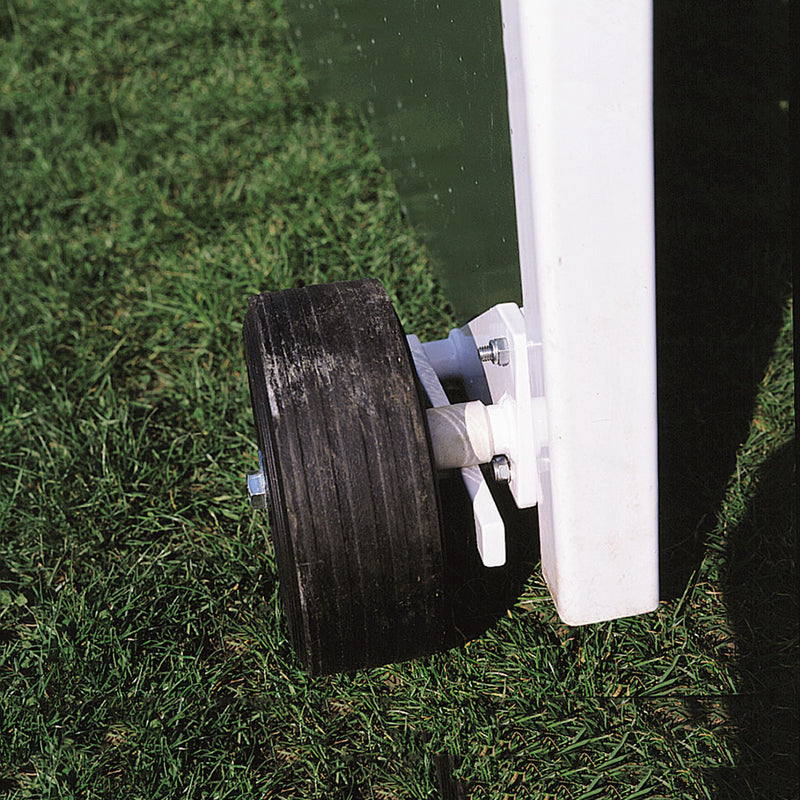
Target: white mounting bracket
<point>521,432</point>
<point>514,423</point>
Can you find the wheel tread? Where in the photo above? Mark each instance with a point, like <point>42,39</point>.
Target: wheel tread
<point>355,515</point>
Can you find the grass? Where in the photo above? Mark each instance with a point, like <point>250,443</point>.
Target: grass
<point>158,165</point>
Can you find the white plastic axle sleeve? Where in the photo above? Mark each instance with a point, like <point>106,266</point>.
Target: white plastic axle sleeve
<point>461,435</point>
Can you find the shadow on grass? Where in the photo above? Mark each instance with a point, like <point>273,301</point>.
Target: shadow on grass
<point>722,249</point>
<point>761,598</point>
<point>480,596</point>
<point>723,274</point>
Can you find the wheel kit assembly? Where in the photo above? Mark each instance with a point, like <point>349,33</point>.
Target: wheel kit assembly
<point>557,398</point>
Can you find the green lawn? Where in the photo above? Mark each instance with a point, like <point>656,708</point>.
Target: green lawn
<point>157,166</point>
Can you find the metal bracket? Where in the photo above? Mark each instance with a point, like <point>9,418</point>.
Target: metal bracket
<point>489,527</point>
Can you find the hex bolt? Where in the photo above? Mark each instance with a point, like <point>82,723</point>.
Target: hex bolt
<point>501,469</point>
<point>496,352</point>
<point>257,486</point>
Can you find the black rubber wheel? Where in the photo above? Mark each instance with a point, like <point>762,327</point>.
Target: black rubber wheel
<point>353,508</point>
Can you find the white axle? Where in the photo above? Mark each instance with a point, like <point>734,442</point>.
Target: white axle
<point>467,434</point>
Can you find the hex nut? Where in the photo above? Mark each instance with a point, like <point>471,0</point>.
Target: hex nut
<point>257,489</point>
<point>495,352</point>
<point>501,469</point>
